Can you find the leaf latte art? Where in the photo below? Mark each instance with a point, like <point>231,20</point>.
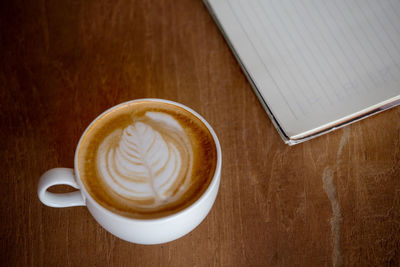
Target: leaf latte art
<point>147,159</point>
<point>149,162</point>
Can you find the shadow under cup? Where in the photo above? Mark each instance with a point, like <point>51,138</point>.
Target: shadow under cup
<point>146,224</point>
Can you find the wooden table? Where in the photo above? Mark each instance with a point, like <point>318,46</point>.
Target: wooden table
<point>332,200</point>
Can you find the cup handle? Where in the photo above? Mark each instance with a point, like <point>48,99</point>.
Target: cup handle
<point>59,176</point>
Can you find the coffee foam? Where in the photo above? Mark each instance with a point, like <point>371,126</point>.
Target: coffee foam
<point>147,159</point>
<point>151,159</point>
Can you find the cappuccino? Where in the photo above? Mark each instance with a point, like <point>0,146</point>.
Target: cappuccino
<point>147,159</point>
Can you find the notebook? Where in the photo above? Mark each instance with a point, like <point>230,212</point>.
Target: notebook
<point>315,65</point>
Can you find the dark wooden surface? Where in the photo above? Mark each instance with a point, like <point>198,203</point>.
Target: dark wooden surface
<point>332,200</point>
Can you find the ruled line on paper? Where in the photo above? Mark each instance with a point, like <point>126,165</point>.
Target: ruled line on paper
<point>353,35</point>
<point>266,68</point>
<point>310,97</point>
<point>345,46</point>
<point>388,17</point>
<point>282,79</point>
<point>395,9</point>
<point>315,62</point>
<point>296,37</point>
<point>323,30</point>
<point>305,31</point>
<point>327,66</point>
<point>347,16</point>
<point>384,27</point>
<point>343,43</point>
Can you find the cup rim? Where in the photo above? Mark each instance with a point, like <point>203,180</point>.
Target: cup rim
<point>214,181</point>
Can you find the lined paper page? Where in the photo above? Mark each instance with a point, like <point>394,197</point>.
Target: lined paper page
<point>316,62</point>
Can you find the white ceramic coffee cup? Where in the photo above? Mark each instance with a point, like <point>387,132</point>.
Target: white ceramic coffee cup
<point>140,231</point>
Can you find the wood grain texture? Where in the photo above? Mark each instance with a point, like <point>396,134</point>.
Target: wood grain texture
<point>332,200</point>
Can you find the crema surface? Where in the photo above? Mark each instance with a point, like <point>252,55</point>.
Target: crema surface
<point>147,159</point>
